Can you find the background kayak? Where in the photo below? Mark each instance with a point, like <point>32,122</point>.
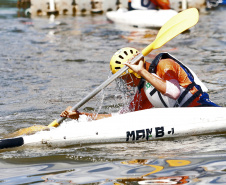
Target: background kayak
<point>141,18</point>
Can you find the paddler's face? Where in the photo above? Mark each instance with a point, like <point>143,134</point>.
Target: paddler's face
<point>131,80</point>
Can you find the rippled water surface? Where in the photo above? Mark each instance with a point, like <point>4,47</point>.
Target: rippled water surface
<point>47,64</point>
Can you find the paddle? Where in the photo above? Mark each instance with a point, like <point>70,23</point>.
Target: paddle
<point>176,25</point>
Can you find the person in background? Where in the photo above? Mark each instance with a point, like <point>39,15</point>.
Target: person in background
<point>148,4</point>
<point>165,82</point>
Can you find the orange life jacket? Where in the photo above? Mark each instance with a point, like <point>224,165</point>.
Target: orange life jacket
<point>162,4</point>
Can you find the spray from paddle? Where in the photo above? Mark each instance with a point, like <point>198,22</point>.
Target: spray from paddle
<point>127,91</point>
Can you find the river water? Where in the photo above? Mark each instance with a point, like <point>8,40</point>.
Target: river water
<point>48,64</point>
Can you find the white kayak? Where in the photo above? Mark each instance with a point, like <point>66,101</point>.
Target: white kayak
<point>140,126</point>
<point>141,18</point>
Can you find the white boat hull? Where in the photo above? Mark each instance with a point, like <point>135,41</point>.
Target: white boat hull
<point>141,18</point>
<point>146,125</point>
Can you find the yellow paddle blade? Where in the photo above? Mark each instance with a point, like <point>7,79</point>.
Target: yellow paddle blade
<point>33,129</point>
<point>28,131</point>
<point>176,25</point>
<point>54,124</point>
<point>190,16</point>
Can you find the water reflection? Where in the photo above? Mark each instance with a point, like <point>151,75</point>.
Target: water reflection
<point>160,171</point>
<point>196,170</point>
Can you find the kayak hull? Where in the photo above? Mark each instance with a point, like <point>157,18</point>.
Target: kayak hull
<point>146,125</point>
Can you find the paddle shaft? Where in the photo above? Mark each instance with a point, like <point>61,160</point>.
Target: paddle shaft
<point>102,86</point>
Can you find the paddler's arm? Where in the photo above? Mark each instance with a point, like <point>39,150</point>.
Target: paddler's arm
<point>168,88</point>
<point>96,116</point>
<point>158,83</point>
<point>75,114</point>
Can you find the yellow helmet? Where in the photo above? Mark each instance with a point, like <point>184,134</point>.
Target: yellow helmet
<point>120,58</point>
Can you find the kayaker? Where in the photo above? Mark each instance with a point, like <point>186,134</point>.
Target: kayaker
<point>148,4</point>
<point>165,82</point>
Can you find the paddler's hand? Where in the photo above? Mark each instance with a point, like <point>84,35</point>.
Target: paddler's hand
<point>70,114</point>
<point>137,68</point>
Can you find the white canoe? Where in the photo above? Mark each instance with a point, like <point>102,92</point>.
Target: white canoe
<point>141,18</point>
<point>146,125</point>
